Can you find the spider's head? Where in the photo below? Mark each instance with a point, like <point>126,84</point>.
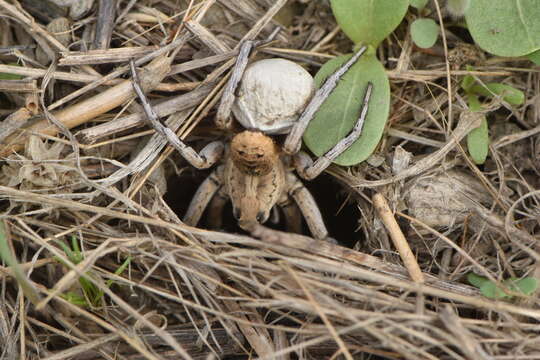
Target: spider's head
<point>254,153</point>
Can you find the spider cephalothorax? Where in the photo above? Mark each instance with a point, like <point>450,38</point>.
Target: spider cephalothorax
<point>253,177</point>
<point>254,153</point>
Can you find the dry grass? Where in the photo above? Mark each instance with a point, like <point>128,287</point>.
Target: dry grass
<point>199,294</point>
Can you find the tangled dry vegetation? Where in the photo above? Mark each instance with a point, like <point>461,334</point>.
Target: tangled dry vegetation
<point>185,292</point>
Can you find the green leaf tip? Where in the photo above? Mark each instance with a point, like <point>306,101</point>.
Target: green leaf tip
<point>508,93</point>
<point>457,8</point>
<point>419,4</point>
<point>424,32</point>
<point>526,286</point>
<point>534,57</point>
<point>366,21</point>
<point>478,138</point>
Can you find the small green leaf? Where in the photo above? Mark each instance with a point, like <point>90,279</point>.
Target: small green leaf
<point>9,258</point>
<point>338,114</point>
<point>478,138</point>
<point>419,4</point>
<point>490,290</point>
<point>508,93</point>
<point>457,8</point>
<point>534,57</point>
<point>526,286</point>
<point>468,80</point>
<point>476,280</point>
<point>7,76</point>
<point>119,271</point>
<point>505,27</point>
<point>478,142</point>
<point>67,250</point>
<point>75,299</point>
<point>424,32</point>
<point>367,21</point>
<point>75,244</point>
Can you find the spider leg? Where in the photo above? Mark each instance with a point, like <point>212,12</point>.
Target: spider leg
<point>293,216</point>
<point>308,207</point>
<point>215,210</point>
<point>208,156</point>
<point>308,169</point>
<point>294,139</point>
<point>202,197</point>
<point>223,116</point>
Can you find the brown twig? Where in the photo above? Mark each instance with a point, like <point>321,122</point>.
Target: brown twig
<point>398,238</point>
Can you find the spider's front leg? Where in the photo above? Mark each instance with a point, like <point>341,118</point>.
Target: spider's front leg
<point>304,165</point>
<point>309,169</point>
<point>202,197</point>
<point>215,210</point>
<point>294,139</point>
<point>208,156</point>
<point>293,215</point>
<point>308,207</point>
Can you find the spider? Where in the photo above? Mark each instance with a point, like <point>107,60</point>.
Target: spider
<point>255,173</point>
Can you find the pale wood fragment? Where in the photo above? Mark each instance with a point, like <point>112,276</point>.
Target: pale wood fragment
<point>401,244</point>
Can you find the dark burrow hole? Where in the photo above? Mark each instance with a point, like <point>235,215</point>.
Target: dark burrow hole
<point>340,214</point>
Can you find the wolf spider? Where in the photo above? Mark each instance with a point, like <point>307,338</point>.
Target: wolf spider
<point>255,173</point>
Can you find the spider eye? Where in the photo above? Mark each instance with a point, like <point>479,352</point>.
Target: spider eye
<point>260,216</point>
<point>259,156</point>
<point>241,153</point>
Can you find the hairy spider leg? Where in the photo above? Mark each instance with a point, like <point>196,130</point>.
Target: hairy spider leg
<point>308,169</point>
<point>208,156</point>
<point>308,207</point>
<point>294,139</point>
<point>202,197</point>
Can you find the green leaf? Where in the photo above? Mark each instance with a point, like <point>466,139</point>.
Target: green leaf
<point>478,142</point>
<point>478,138</point>
<point>419,4</point>
<point>505,27</point>
<point>119,271</point>
<point>457,8</point>
<point>526,286</point>
<point>489,289</point>
<point>367,21</point>
<point>424,32</point>
<point>75,299</point>
<point>476,280</point>
<point>534,57</point>
<point>75,244</point>
<point>338,114</point>
<point>468,80</point>
<point>492,291</point>
<point>7,76</point>
<point>9,258</point>
<point>508,93</point>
